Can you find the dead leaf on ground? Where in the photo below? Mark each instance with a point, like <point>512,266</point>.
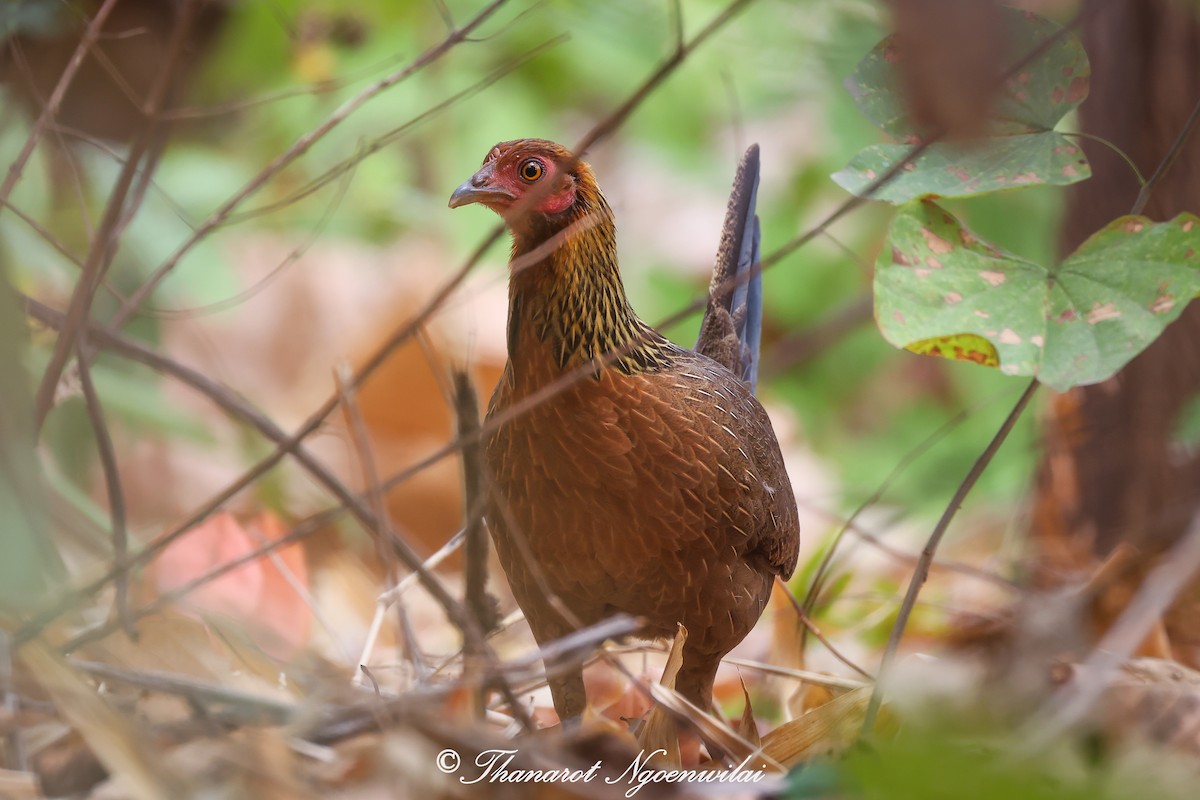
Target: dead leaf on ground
<point>658,729</point>
<point>1152,700</point>
<point>827,730</point>
<point>117,742</point>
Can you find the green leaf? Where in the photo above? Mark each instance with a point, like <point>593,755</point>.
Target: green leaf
<point>942,291</point>
<point>952,169</point>
<point>1021,147</point>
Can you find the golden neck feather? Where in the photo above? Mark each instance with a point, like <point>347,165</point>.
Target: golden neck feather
<point>566,286</point>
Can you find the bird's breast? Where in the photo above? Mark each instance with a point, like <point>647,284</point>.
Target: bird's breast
<point>662,452</point>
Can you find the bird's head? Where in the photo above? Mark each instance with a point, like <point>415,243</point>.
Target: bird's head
<point>527,181</point>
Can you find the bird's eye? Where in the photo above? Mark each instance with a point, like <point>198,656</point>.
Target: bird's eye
<point>531,170</point>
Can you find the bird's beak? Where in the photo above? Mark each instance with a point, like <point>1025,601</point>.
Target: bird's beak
<point>479,189</point>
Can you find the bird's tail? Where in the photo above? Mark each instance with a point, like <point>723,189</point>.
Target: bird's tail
<point>731,331</point>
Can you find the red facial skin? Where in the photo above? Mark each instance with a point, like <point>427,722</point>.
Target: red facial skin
<point>520,179</point>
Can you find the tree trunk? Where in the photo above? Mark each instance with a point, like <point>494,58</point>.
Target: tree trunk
<point>1112,473</point>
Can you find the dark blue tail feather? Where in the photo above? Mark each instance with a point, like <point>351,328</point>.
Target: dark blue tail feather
<point>747,302</point>
<point>731,331</point>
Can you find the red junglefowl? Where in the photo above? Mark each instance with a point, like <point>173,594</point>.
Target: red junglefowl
<point>652,483</point>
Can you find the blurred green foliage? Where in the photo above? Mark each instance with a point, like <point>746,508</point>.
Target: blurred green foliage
<point>27,561</point>
<point>279,69</point>
<point>776,71</point>
<point>946,764</point>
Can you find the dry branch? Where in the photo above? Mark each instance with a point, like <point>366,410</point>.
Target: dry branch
<point>921,574</point>
<point>90,34</point>
<point>298,149</point>
<point>117,214</point>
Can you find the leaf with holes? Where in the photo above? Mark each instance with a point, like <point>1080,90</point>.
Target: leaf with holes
<point>942,291</point>
<point>1021,148</point>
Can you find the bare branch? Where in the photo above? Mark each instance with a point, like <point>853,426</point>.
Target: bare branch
<point>236,406</point>
<point>1161,170</point>
<point>402,334</point>
<point>921,574</point>
<point>815,631</point>
<point>617,118</point>
<point>360,436</point>
<point>50,109</point>
<point>901,467</point>
<point>475,488</point>
<point>391,136</point>
<point>115,216</point>
<point>112,481</point>
<point>798,348</point>
<point>299,148</point>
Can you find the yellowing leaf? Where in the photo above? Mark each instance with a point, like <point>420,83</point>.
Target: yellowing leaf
<point>940,290</point>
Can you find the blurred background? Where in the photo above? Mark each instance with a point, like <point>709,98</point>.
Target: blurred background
<point>331,255</point>
<point>269,282</point>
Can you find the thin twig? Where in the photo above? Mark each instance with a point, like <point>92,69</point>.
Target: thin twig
<point>361,439</point>
<point>445,551</point>
<point>293,255</point>
<point>412,646</point>
<point>50,239</point>
<point>112,482</point>
<point>803,675</point>
<point>402,334</point>
<point>910,559</point>
<point>818,581</point>
<point>299,533</point>
<point>50,109</point>
<point>1176,146</point>
<point>921,573</point>
<point>119,158</point>
<point>297,149</point>
<point>46,236</point>
<point>675,12</point>
<point>104,244</point>
<point>812,628</point>
<point>52,128</point>
<point>237,407</point>
<point>957,567</point>
<point>466,412</point>
<point>614,120</point>
<point>1137,173</point>
<point>444,13</point>
<point>115,75</point>
<point>249,706</point>
<point>797,348</point>
<point>322,88</point>
<point>353,721</point>
<point>578,643</point>
<point>394,134</point>
<point>393,597</point>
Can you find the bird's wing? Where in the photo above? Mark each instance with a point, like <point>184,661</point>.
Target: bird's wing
<point>731,330</point>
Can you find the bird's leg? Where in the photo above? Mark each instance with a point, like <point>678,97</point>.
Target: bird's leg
<point>696,678</point>
<point>570,697</point>
<point>695,682</point>
<point>564,672</point>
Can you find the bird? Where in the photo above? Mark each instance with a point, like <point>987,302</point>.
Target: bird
<point>628,474</point>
